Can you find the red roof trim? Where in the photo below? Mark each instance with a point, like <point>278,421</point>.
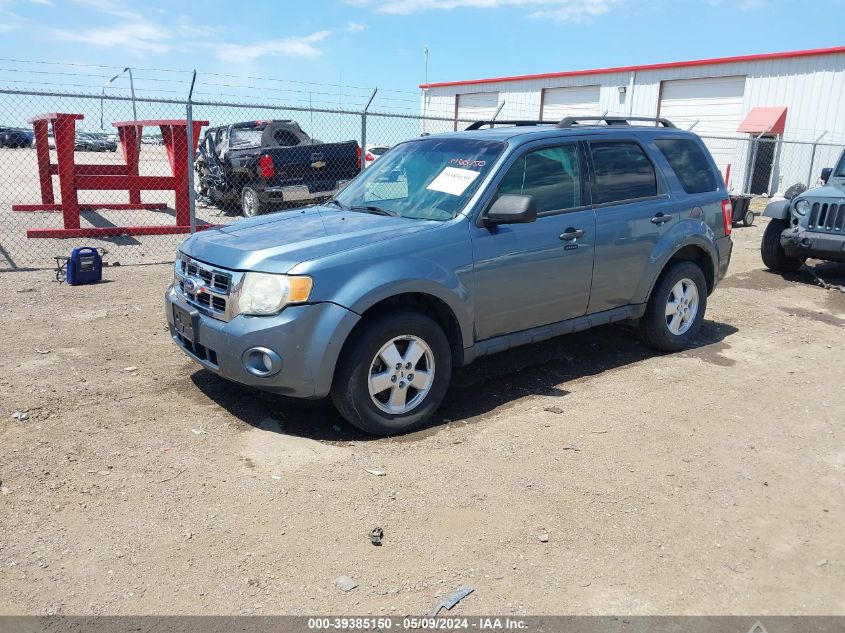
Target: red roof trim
<point>622,69</point>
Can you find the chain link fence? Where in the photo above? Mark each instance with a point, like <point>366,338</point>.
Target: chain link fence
<point>766,166</point>
<point>119,174</point>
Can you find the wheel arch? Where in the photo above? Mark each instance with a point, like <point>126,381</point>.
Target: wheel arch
<point>420,301</point>
<point>699,253</point>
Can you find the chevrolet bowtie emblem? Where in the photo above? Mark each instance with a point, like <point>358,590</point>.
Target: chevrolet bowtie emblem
<point>318,164</point>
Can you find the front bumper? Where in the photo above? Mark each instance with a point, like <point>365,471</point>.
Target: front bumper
<point>308,339</point>
<point>797,241</point>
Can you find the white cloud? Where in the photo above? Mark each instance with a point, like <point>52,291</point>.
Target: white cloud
<point>140,36</point>
<point>743,5</point>
<point>564,10</point>
<point>136,33</point>
<point>297,46</point>
<point>293,46</point>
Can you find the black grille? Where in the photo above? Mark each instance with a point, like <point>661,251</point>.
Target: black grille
<point>827,217</point>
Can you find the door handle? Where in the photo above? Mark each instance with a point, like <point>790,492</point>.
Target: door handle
<point>660,218</point>
<point>572,234</point>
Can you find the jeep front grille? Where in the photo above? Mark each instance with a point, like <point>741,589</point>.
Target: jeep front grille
<point>209,289</point>
<point>826,217</point>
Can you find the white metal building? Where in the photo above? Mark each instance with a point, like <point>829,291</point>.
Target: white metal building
<point>792,98</point>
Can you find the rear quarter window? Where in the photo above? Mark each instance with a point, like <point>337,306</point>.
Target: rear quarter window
<point>689,163</point>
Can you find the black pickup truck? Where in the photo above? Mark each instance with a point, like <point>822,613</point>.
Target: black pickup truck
<point>257,164</point>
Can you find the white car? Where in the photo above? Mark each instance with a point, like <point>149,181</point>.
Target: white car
<point>374,152</point>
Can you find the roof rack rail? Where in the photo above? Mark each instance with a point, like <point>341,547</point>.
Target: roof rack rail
<point>477,125</point>
<point>571,121</point>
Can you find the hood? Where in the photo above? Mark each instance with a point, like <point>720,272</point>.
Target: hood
<point>276,243</point>
<point>834,189</point>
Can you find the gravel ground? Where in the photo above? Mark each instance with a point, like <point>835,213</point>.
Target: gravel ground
<point>586,475</point>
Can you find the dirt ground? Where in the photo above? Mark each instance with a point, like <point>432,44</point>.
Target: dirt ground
<point>704,482</point>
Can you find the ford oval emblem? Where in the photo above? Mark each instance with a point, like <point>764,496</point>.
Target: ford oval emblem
<point>190,285</point>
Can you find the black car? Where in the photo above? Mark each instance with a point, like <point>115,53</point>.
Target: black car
<point>15,137</point>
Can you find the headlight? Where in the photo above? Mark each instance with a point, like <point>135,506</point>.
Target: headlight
<point>802,207</point>
<point>264,293</point>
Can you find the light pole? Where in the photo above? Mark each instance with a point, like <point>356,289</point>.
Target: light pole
<point>131,89</point>
<point>134,109</point>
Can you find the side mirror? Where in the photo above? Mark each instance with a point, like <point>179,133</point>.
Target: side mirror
<point>511,209</point>
<point>826,172</point>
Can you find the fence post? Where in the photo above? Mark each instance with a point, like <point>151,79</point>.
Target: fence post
<point>364,131</point>
<point>189,128</point>
<point>749,177</point>
<point>813,158</point>
<point>775,175</point>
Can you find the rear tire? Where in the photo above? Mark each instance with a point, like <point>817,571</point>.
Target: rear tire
<point>393,374</point>
<point>774,257</point>
<point>675,308</point>
<point>251,205</point>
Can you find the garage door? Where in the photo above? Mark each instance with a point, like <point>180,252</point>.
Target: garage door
<point>476,106</point>
<point>716,104</point>
<point>575,101</point>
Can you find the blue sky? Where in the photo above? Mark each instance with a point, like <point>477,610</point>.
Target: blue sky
<point>364,43</point>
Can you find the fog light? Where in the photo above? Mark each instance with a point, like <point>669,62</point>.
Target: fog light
<point>262,362</point>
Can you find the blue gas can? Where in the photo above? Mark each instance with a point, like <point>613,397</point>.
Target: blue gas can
<point>85,266</point>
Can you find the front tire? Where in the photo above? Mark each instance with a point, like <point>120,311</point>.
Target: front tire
<point>676,308</point>
<point>774,257</point>
<point>393,374</point>
<point>251,205</point>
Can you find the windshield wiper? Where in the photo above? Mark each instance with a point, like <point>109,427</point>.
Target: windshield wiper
<point>368,208</point>
<point>337,203</point>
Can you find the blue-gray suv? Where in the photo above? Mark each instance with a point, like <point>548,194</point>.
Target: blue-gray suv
<point>454,246</point>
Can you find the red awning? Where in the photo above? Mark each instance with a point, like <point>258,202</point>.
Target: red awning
<point>764,121</point>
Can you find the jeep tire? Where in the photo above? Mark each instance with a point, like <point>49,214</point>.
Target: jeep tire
<point>393,373</point>
<point>774,257</point>
<point>676,307</point>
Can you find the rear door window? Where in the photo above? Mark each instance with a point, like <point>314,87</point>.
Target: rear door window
<point>623,172</point>
<point>689,163</point>
<point>552,175</point>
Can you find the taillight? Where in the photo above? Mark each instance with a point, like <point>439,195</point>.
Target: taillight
<point>360,161</point>
<point>265,166</point>
<point>727,215</point>
<point>370,157</point>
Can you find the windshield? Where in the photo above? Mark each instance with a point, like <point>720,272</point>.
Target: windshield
<point>839,172</point>
<point>429,179</point>
<point>245,136</point>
